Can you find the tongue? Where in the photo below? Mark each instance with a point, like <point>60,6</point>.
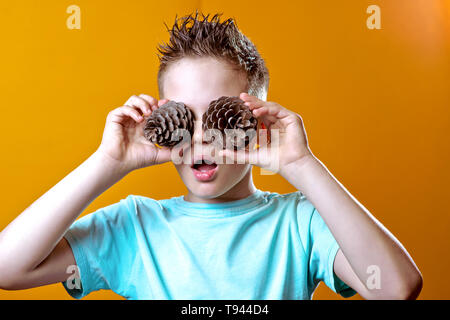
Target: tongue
<point>206,167</point>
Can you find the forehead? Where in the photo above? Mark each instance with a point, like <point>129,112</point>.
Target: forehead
<point>197,81</point>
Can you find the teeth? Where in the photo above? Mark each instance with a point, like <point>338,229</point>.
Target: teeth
<point>204,167</point>
<point>203,161</point>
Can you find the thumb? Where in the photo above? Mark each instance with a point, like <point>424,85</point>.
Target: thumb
<point>163,101</point>
<point>234,156</point>
<point>162,155</point>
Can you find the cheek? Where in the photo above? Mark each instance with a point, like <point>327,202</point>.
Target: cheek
<point>232,171</point>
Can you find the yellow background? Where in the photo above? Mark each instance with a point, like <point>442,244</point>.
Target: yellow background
<point>375,103</point>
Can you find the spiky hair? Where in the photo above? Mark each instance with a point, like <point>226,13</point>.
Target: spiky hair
<point>196,37</point>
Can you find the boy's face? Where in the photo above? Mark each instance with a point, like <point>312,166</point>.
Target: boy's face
<point>196,82</point>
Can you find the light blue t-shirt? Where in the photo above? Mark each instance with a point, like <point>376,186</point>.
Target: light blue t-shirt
<point>265,246</point>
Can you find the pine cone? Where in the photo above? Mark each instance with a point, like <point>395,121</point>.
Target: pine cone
<point>163,122</point>
<point>230,113</point>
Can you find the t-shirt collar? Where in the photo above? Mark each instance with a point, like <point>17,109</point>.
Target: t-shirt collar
<point>219,210</point>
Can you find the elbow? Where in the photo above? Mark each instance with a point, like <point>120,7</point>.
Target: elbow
<point>8,279</point>
<point>408,288</point>
<point>414,287</point>
<point>11,283</point>
<point>7,282</point>
<point>6,285</point>
<point>14,282</point>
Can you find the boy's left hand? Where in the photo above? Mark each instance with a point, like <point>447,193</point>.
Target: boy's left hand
<point>292,140</point>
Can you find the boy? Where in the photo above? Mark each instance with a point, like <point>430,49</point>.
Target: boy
<point>224,239</point>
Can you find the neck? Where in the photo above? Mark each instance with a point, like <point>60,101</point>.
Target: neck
<point>240,190</point>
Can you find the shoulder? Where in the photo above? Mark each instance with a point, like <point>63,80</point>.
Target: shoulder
<point>298,211</point>
<point>122,211</point>
<point>139,204</point>
<point>293,205</point>
<point>297,205</point>
<point>123,218</point>
<point>297,200</point>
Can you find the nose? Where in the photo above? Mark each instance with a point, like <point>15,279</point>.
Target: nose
<point>197,138</point>
<point>200,145</point>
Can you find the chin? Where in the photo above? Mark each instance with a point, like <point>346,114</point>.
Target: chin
<point>206,191</point>
<point>203,189</point>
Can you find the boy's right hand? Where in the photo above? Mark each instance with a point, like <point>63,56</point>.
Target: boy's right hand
<point>123,139</point>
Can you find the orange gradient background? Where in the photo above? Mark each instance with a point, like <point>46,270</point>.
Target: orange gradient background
<point>375,103</point>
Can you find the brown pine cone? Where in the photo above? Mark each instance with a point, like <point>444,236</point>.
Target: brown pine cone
<point>230,113</point>
<point>163,122</point>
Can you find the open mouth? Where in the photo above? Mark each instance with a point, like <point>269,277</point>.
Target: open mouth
<point>204,165</point>
<point>204,170</point>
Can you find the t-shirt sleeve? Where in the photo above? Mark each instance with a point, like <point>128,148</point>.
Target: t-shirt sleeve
<point>322,249</point>
<point>100,242</point>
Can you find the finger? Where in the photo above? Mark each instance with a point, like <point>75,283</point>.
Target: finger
<point>179,153</point>
<point>267,119</point>
<point>176,152</point>
<point>248,97</point>
<point>272,111</point>
<point>242,156</point>
<point>264,137</point>
<point>150,100</point>
<point>163,155</point>
<point>162,102</point>
<point>120,114</point>
<point>255,104</point>
<point>140,104</point>
<point>233,157</point>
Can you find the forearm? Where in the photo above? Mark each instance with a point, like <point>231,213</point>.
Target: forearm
<point>362,239</point>
<point>30,238</point>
